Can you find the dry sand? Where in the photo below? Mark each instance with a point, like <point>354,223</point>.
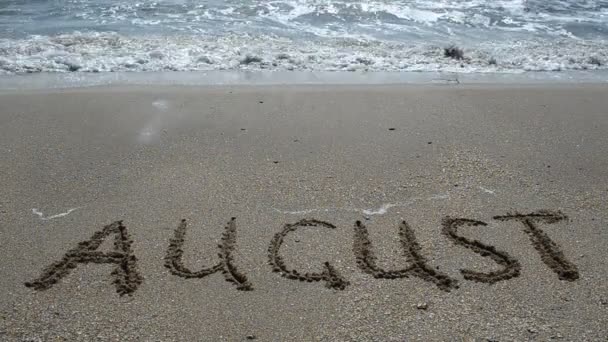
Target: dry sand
<point>431,173</point>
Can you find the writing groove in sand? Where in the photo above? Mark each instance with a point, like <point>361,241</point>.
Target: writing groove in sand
<point>366,260</point>
<point>510,266</point>
<point>174,262</point>
<point>330,275</point>
<point>126,277</point>
<point>550,251</point>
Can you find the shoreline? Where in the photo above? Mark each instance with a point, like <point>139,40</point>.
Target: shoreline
<point>330,78</point>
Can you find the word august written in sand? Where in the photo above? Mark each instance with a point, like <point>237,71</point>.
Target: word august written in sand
<point>127,277</point>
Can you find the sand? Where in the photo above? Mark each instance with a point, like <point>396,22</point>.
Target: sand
<point>286,213</point>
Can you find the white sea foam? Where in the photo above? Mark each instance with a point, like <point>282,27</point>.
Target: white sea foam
<point>383,209</point>
<point>42,217</point>
<point>339,35</point>
<point>102,52</point>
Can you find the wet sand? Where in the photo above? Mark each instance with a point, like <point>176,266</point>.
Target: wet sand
<point>276,213</point>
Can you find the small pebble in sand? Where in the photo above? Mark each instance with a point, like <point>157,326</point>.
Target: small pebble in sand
<point>422,306</point>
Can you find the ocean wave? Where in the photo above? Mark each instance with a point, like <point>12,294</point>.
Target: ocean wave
<point>109,52</point>
<point>334,18</point>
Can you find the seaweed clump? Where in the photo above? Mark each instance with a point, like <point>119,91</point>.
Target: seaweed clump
<point>453,52</point>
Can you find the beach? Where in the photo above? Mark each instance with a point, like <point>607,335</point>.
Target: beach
<point>373,194</point>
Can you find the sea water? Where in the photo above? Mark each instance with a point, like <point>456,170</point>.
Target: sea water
<point>503,36</point>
